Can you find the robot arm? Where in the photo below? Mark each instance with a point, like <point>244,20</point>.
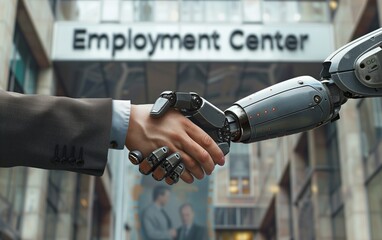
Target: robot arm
<point>303,103</point>
<point>292,106</point>
<point>289,107</point>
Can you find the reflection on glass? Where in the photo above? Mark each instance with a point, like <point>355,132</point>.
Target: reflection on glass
<point>371,131</point>
<point>192,11</point>
<point>52,203</point>
<point>12,196</point>
<point>110,11</point>
<point>234,186</point>
<point>222,11</point>
<point>81,205</point>
<point>89,11</point>
<point>235,235</point>
<point>333,157</point>
<point>306,216</point>
<point>240,170</point>
<point>339,226</point>
<point>295,11</point>
<point>159,11</point>
<point>375,205</point>
<point>235,216</point>
<point>127,11</point>
<point>252,11</point>
<point>198,11</point>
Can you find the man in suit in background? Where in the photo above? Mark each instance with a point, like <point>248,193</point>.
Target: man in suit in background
<point>75,134</point>
<point>156,224</point>
<point>189,229</point>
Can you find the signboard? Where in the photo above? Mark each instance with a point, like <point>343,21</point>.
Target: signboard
<point>192,42</point>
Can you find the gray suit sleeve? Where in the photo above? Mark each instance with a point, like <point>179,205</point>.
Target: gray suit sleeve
<point>54,132</point>
<point>151,226</point>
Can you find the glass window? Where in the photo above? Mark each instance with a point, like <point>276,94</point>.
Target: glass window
<point>336,201</point>
<point>83,11</point>
<point>192,11</point>
<point>52,206</point>
<point>302,151</point>
<point>23,66</point>
<point>127,11</point>
<point>235,217</point>
<point>239,173</point>
<point>306,216</point>
<point>81,207</point>
<point>371,131</point>
<point>12,195</point>
<point>235,235</point>
<point>100,213</point>
<point>252,11</point>
<point>295,11</point>
<point>375,205</point>
<point>339,226</point>
<point>333,156</point>
<point>158,11</point>
<point>222,11</point>
<point>53,5</point>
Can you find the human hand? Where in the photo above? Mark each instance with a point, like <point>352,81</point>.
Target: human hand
<point>198,150</point>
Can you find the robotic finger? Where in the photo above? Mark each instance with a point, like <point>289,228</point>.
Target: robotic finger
<point>166,167</point>
<point>162,167</point>
<point>135,157</point>
<point>149,164</point>
<point>173,177</point>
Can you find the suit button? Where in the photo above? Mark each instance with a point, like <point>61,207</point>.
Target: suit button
<point>80,161</point>
<point>72,158</point>
<point>56,158</point>
<point>64,158</point>
<point>113,144</point>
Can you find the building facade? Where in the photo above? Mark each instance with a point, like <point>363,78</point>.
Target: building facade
<point>322,184</point>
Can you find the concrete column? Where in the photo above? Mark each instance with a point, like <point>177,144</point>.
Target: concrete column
<point>35,204</point>
<point>352,175</point>
<point>7,25</point>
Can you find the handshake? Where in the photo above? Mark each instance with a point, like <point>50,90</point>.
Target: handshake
<point>191,146</point>
<point>189,134</point>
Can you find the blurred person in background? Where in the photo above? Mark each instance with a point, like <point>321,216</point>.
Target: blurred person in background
<point>189,229</point>
<point>156,224</point>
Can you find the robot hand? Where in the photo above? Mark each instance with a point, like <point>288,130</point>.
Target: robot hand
<point>201,112</point>
<point>292,106</point>
<point>208,117</point>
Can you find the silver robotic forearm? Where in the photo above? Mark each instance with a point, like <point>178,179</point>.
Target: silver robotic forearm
<point>292,106</point>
